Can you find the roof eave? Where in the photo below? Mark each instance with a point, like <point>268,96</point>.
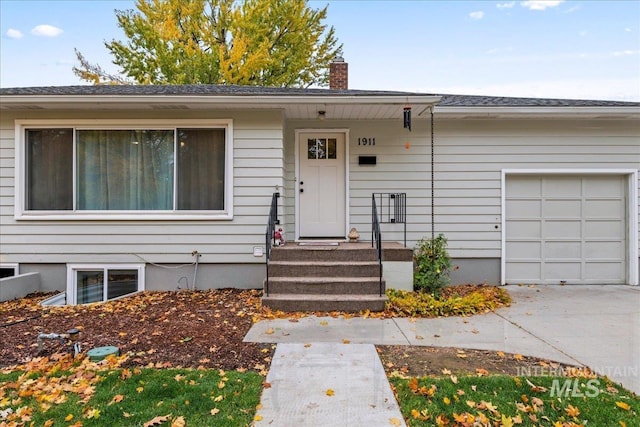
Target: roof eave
<point>255,100</point>
<point>611,112</point>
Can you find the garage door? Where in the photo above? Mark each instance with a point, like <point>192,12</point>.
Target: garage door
<point>565,229</point>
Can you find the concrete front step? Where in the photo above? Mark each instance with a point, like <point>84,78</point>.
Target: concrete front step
<point>324,269</point>
<point>306,302</point>
<point>326,285</point>
<point>344,252</point>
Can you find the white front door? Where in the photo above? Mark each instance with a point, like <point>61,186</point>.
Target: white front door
<point>321,185</point>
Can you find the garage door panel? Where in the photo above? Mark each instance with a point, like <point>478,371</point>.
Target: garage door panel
<point>562,187</point>
<point>603,208</point>
<point>528,272</point>
<point>562,208</point>
<point>604,250</point>
<point>524,208</point>
<point>555,272</point>
<point>569,229</point>
<point>524,250</point>
<point>562,230</point>
<point>525,229</point>
<point>609,272</point>
<point>604,229</point>
<point>563,250</point>
<point>532,187</point>
<point>611,186</point>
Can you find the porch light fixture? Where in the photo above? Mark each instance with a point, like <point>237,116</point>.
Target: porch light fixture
<point>321,115</point>
<point>407,118</point>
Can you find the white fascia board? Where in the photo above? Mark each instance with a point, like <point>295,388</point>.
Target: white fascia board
<point>591,112</point>
<point>248,100</point>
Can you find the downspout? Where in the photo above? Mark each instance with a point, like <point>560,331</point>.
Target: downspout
<point>433,216</point>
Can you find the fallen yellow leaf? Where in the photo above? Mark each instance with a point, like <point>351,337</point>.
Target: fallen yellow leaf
<point>48,423</point>
<point>623,405</point>
<point>324,323</point>
<point>179,422</point>
<point>518,357</point>
<point>68,417</point>
<point>214,411</point>
<point>330,392</point>
<point>257,418</point>
<point>345,341</point>
<point>507,421</point>
<point>395,422</point>
<point>572,411</point>
<point>269,331</point>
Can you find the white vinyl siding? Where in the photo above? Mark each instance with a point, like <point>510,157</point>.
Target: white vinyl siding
<point>566,229</point>
<point>257,173</point>
<point>469,157</point>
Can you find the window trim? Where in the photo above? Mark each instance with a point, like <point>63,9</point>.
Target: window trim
<point>72,287</point>
<point>14,266</point>
<point>21,213</point>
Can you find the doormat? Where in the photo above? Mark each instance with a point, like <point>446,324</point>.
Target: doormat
<point>318,244</point>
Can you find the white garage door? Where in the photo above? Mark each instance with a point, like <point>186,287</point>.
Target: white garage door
<point>565,229</point>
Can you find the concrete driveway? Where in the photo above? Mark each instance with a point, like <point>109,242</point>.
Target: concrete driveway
<point>598,326</point>
<point>594,326</point>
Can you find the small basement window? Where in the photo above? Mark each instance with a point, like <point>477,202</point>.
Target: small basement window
<point>8,270</point>
<point>98,283</point>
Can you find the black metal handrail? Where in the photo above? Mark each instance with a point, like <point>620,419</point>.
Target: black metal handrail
<point>393,209</point>
<point>376,236</point>
<point>270,235</point>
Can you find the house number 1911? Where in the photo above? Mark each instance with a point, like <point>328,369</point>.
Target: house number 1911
<point>366,141</point>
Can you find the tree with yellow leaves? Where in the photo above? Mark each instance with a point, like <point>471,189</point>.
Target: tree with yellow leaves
<point>280,43</point>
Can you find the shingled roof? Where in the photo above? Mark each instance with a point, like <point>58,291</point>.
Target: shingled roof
<point>234,90</point>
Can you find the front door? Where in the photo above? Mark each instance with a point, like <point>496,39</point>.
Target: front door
<point>321,189</point>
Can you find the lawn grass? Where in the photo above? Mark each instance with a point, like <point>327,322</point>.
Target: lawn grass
<point>133,397</point>
<point>512,401</point>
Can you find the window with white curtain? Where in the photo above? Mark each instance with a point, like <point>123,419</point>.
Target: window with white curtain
<point>149,170</point>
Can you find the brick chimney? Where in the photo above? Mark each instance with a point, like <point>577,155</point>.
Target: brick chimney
<point>339,74</point>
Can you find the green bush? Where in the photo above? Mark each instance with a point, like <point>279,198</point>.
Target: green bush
<point>432,265</point>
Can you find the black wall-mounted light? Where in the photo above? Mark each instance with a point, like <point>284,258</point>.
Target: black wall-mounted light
<point>407,118</point>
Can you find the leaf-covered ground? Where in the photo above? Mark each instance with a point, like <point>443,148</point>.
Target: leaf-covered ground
<point>166,329</point>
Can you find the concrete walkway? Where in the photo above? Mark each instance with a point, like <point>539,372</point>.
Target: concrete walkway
<point>594,326</point>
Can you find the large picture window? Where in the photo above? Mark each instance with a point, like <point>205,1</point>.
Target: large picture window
<point>137,171</point>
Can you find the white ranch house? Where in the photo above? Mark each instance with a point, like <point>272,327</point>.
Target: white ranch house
<point>125,184</point>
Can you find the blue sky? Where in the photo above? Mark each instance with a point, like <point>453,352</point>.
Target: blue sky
<point>561,49</point>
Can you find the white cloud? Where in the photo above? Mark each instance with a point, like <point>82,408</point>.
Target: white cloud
<point>14,34</point>
<point>507,5</point>
<point>583,33</point>
<point>627,30</point>
<point>476,15</point>
<point>626,53</point>
<point>46,30</point>
<point>540,4</point>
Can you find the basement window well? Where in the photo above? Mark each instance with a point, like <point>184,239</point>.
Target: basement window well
<point>99,283</point>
